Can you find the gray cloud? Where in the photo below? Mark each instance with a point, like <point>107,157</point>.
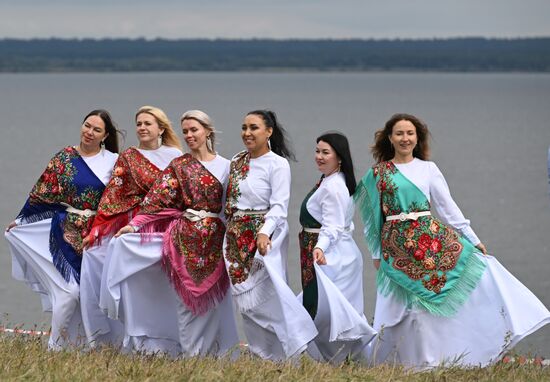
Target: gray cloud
<point>274,19</point>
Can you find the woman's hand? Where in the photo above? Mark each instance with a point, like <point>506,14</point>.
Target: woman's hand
<point>376,263</point>
<point>124,230</point>
<point>263,243</point>
<point>86,242</point>
<point>482,248</point>
<point>11,225</point>
<point>319,256</point>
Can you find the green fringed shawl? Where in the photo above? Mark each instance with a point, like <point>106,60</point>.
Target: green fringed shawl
<point>424,263</point>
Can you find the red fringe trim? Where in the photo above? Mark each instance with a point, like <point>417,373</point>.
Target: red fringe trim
<point>109,226</point>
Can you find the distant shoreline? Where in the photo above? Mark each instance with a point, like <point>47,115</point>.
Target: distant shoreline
<point>463,55</point>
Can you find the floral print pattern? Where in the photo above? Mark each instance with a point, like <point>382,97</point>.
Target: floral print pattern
<point>200,244</point>
<point>238,171</point>
<point>241,245</point>
<point>67,180</point>
<point>307,241</point>
<point>423,249</point>
<point>56,182</point>
<point>186,183</point>
<point>132,177</point>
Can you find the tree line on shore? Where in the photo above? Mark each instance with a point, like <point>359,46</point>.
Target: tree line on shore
<point>121,55</point>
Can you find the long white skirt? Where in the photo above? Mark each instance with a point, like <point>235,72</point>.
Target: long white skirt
<point>498,314</point>
<point>343,328</point>
<point>32,263</point>
<point>213,333</point>
<point>99,328</point>
<point>137,290</point>
<point>275,323</point>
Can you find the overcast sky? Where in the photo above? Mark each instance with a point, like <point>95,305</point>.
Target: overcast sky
<point>274,19</point>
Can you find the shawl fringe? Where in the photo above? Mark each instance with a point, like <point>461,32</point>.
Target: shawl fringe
<point>108,228</point>
<point>61,263</point>
<point>198,303</point>
<point>36,217</point>
<point>206,301</point>
<point>369,209</point>
<point>456,297</point>
<point>250,298</point>
<point>160,222</point>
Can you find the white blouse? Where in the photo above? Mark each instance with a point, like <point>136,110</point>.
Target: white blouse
<point>267,187</point>
<point>219,167</point>
<point>162,156</point>
<point>332,206</point>
<point>102,164</point>
<point>427,177</point>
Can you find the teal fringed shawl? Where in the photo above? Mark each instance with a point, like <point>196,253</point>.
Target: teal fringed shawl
<point>424,263</point>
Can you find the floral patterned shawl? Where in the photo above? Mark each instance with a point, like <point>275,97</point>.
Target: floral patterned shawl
<point>307,241</point>
<point>67,179</point>
<point>132,177</point>
<point>424,262</point>
<point>192,251</point>
<point>240,165</point>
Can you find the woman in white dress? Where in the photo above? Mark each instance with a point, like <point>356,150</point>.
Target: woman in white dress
<point>331,262</point>
<point>135,171</point>
<point>441,298</point>
<point>256,242</point>
<point>46,238</point>
<point>183,210</point>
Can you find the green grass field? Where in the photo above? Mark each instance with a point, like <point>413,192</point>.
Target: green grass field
<point>26,358</point>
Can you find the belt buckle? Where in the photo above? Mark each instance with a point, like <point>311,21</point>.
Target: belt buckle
<point>402,216</point>
<point>87,213</point>
<point>202,214</point>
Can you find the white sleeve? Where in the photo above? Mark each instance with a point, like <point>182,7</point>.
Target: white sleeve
<point>446,207</point>
<point>333,216</point>
<point>279,181</point>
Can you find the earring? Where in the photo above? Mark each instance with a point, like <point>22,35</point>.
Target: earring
<point>159,139</point>
<point>269,143</point>
<point>209,144</point>
<point>339,166</point>
<point>102,143</point>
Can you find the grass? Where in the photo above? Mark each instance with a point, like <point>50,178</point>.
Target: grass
<point>26,358</point>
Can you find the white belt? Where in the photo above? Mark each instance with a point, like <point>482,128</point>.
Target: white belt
<point>87,212</point>
<point>311,230</point>
<point>410,216</point>
<point>317,230</point>
<point>195,215</point>
<point>240,213</point>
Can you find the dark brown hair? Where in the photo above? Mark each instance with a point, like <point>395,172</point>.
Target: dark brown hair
<point>111,141</point>
<point>280,144</point>
<point>382,149</point>
<point>340,145</point>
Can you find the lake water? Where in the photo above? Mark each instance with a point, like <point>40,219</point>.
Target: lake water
<point>490,132</point>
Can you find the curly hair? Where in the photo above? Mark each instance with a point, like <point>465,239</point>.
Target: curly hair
<point>382,149</point>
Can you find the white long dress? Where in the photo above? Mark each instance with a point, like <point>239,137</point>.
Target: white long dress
<point>499,312</point>
<point>32,263</point>
<point>342,325</point>
<point>98,327</point>
<point>274,321</point>
<point>137,291</point>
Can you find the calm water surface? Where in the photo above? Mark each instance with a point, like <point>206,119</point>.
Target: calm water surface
<point>490,132</point>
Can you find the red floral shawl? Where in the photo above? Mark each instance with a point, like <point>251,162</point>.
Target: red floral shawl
<point>132,177</point>
<point>192,253</point>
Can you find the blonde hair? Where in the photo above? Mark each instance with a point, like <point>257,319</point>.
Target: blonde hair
<point>205,121</point>
<point>169,136</point>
